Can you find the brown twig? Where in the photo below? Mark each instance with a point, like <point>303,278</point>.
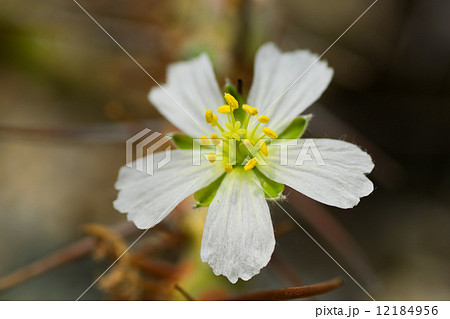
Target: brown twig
<point>184,293</point>
<point>154,267</point>
<point>41,266</point>
<point>59,258</point>
<point>290,293</point>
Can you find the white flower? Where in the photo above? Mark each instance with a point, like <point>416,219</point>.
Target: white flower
<point>238,238</point>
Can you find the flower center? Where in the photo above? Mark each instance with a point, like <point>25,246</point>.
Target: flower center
<point>237,144</point>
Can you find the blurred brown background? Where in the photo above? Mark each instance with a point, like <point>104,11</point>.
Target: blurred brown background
<point>69,98</point>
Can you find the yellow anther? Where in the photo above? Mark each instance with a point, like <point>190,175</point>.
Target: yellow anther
<point>263,149</point>
<point>250,110</point>
<point>209,116</point>
<point>215,139</point>
<point>269,132</point>
<point>214,120</point>
<point>264,119</point>
<point>228,168</point>
<point>204,140</point>
<point>232,102</point>
<point>224,109</point>
<point>212,157</point>
<point>251,163</point>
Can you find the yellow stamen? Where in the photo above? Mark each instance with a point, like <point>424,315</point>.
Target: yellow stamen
<point>232,116</point>
<point>214,123</point>
<point>228,168</point>
<point>269,132</point>
<point>263,149</point>
<point>212,157</point>
<point>251,163</point>
<point>215,139</point>
<point>204,140</point>
<point>209,116</point>
<point>250,110</point>
<point>232,102</point>
<point>254,130</point>
<point>214,120</point>
<point>224,109</point>
<point>264,119</point>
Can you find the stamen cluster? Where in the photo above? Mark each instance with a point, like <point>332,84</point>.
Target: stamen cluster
<point>236,143</point>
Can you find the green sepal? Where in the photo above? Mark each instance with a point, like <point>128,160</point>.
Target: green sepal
<point>182,141</point>
<point>239,113</point>
<point>205,196</point>
<point>272,189</point>
<point>296,128</point>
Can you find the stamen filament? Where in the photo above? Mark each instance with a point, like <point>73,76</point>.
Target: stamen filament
<point>251,111</point>
<point>219,127</point>
<point>247,119</point>
<point>232,117</point>
<point>254,130</point>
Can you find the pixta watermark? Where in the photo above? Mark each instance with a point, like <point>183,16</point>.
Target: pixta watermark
<point>146,144</point>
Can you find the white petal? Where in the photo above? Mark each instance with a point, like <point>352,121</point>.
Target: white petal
<point>238,237</point>
<point>148,199</point>
<point>340,181</point>
<point>275,72</point>
<point>191,88</point>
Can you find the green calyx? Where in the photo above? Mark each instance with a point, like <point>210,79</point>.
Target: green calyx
<point>205,196</point>
<point>296,129</point>
<point>272,189</point>
<point>182,141</point>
